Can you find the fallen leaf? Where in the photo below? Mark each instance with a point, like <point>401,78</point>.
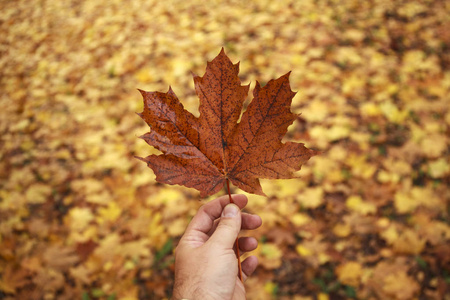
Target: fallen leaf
<point>109,213</point>
<point>439,168</point>
<point>311,197</point>
<point>350,273</point>
<point>270,255</point>
<point>342,230</point>
<point>38,193</point>
<point>409,243</point>
<point>12,280</point>
<point>204,152</point>
<point>357,204</point>
<point>79,218</point>
<point>60,258</point>
<point>314,251</point>
<point>81,273</point>
<point>391,281</point>
<point>323,296</point>
<point>400,286</point>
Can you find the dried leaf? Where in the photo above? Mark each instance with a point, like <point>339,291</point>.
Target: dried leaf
<point>12,280</point>
<point>60,258</point>
<point>350,273</point>
<point>203,152</point>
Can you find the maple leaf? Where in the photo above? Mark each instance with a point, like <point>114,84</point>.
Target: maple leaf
<point>204,152</point>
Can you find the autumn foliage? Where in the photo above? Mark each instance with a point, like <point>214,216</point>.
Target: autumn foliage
<point>81,218</point>
<point>204,152</point>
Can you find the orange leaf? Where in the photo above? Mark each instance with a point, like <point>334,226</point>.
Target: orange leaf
<point>204,152</point>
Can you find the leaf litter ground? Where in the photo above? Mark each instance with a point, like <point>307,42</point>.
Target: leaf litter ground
<point>81,218</point>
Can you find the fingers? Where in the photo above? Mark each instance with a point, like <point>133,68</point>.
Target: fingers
<point>203,221</point>
<point>250,222</point>
<point>247,244</point>
<point>249,266</point>
<point>228,228</point>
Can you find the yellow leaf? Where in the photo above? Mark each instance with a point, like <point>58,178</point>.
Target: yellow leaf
<point>427,197</point>
<point>271,251</point>
<point>392,113</point>
<point>300,219</point>
<point>370,109</point>
<point>438,168</point>
<point>38,193</point>
<point>144,76</point>
<point>270,255</point>
<point>257,200</point>
<point>434,145</point>
<point>79,218</point>
<point>303,251</point>
<point>412,9</point>
<point>390,234</point>
<point>400,167</point>
<point>323,296</point>
<point>109,214</point>
<point>354,35</point>
<point>335,176</point>
<point>408,201</point>
<point>353,84</point>
<point>404,203</point>
<point>129,298</point>
<point>323,166</point>
<point>142,178</point>
<point>284,208</point>
<point>320,135</point>
<point>400,286</point>
<point>180,66</point>
<point>164,196</point>
<point>311,197</point>
<point>384,177</point>
<point>177,227</point>
<point>270,287</point>
<point>337,132</point>
<point>107,248</point>
<point>337,153</point>
<point>437,232</point>
<point>342,230</point>
<point>362,138</point>
<point>323,258</point>
<point>135,249</point>
<point>360,167</point>
<point>288,187</point>
<point>156,232</point>
<point>317,111</point>
<point>129,265</point>
<point>107,266</point>
<point>356,204</point>
<point>350,273</point>
<point>409,243</point>
<point>297,297</point>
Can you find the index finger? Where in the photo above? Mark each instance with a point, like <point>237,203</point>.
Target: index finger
<point>203,221</point>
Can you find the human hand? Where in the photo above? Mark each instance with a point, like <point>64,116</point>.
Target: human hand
<point>206,266</point>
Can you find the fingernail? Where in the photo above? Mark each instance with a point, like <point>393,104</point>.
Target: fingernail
<point>230,211</point>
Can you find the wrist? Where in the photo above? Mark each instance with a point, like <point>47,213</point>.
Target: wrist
<point>179,294</point>
<point>198,294</point>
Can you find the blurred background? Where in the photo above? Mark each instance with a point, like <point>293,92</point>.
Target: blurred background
<point>81,218</point>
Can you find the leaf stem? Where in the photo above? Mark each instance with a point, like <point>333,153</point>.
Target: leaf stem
<point>237,239</point>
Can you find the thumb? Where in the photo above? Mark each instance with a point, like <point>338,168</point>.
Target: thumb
<point>228,228</point>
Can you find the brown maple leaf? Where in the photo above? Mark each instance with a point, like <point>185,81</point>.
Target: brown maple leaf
<point>204,152</point>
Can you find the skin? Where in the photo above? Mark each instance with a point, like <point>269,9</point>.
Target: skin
<point>206,266</point>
